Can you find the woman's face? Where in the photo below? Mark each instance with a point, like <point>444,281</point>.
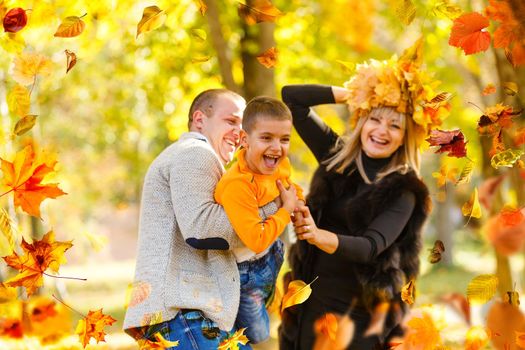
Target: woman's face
<point>382,134</point>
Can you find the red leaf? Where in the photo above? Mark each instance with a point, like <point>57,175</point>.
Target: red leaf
<point>15,20</point>
<point>452,142</point>
<point>467,33</point>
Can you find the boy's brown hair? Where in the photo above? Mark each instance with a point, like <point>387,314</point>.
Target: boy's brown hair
<point>264,107</point>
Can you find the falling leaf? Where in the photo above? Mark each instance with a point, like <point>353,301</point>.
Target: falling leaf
<point>466,173</point>
<point>298,292</point>
<point>445,173</point>
<point>92,326</point>
<point>326,325</point>
<point>71,60</point>
<point>6,229</point>
<point>452,142</point>
<point>497,144</point>
<point>377,321</point>
<point>510,88</point>
<point>489,89</point>
<point>495,118</point>
<point>25,124</point>
<point>232,341</point>
<point>348,67</point>
<point>260,11</point>
<point>11,327</point>
<point>476,338</point>
<point>202,7</point>
<point>438,101</point>
<point>28,65</point>
<point>408,292</point>
<point>152,18</point>
<point>97,242</point>
<point>70,27</point>
<point>199,34</point>
<point>24,178</point>
<point>422,333</point>
<point>519,137</point>
<point>15,20</point>
<point>448,10</point>
<point>38,257</point>
<point>510,216</point>
<point>41,308</point>
<point>472,207</point>
<point>468,33</point>
<point>436,251</point>
<point>137,293</point>
<point>482,288</point>
<point>459,303</point>
<point>19,100</point>
<point>405,10</point>
<point>268,58</point>
<point>200,59</point>
<point>513,298</point>
<point>160,343</point>
<point>506,158</point>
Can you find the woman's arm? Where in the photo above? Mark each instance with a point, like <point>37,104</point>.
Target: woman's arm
<point>318,136</point>
<point>380,234</point>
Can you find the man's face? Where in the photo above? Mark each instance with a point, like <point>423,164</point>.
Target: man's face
<point>222,124</point>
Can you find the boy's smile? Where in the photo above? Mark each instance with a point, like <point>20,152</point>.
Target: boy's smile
<point>266,145</point>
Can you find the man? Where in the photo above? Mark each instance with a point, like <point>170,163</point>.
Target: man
<point>185,266</point>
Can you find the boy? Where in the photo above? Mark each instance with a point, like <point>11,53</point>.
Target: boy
<point>260,175</point>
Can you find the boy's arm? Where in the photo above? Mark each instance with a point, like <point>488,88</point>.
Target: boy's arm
<point>240,205</point>
<point>202,222</point>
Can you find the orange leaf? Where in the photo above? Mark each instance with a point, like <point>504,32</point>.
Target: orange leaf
<point>445,173</point>
<point>407,292</point>
<point>232,341</point>
<point>71,60</point>
<point>70,27</point>
<point>489,89</point>
<point>422,333</point>
<point>202,6</point>
<point>41,309</point>
<point>268,58</point>
<point>519,137</point>
<point>92,326</point>
<point>467,33</point>
<point>11,327</point>
<point>39,256</point>
<point>28,66</point>
<point>497,145</point>
<point>24,178</point>
<point>510,216</point>
<point>137,293</point>
<point>261,11</point>
<point>326,325</point>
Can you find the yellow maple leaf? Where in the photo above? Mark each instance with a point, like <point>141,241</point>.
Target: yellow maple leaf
<point>24,178</point>
<point>92,326</point>
<point>232,341</point>
<point>160,343</point>
<point>28,66</point>
<point>38,257</point>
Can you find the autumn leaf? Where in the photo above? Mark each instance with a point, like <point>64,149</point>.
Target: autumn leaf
<point>408,292</point>
<point>445,173</point>
<point>466,173</point>
<point>489,89</point>
<point>326,325</point>
<point>468,33</point>
<point>472,207</point>
<point>152,18</point>
<point>497,144</point>
<point>92,326</point>
<point>232,341</point>
<point>422,333</point>
<point>41,309</point>
<point>38,257</point>
<point>71,60</point>
<point>200,59</point>
<point>202,6</point>
<point>6,228</point>
<point>436,251</point>
<point>448,10</point>
<point>519,137</point>
<point>70,27</point>
<point>482,288</point>
<point>137,293</point>
<point>199,34</point>
<point>459,303</point>
<point>506,158</point>
<point>405,10</point>
<point>25,124</point>
<point>496,117</point>
<point>298,292</point>
<point>11,327</point>
<point>15,20</point>
<point>452,142</point>
<point>268,58</point>
<point>24,178</point>
<point>510,88</point>
<point>28,65</point>
<point>510,216</point>
<point>160,343</point>
<point>19,100</point>
<point>348,67</point>
<point>512,298</point>
<point>260,11</point>
<point>476,338</point>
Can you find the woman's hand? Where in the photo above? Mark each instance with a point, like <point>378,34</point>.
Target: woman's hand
<point>306,229</point>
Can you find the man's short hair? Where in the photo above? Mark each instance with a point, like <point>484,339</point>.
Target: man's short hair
<point>206,100</point>
<point>264,107</point>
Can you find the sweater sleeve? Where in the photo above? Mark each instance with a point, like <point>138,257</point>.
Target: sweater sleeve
<point>239,202</point>
<point>380,234</point>
<point>317,135</point>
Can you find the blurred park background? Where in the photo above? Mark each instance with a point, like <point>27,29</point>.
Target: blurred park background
<point>127,98</point>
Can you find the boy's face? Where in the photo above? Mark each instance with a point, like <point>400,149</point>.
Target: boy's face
<point>267,144</point>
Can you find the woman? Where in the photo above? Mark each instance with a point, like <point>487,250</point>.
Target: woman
<point>367,206</point>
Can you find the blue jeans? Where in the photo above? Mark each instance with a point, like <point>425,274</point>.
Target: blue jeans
<point>192,330</point>
<point>257,285</point>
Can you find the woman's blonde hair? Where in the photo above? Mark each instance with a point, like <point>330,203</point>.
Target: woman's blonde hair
<point>348,149</point>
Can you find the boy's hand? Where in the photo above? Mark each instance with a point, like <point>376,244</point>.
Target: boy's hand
<point>288,196</point>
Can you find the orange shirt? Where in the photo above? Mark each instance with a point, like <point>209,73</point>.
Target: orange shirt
<point>242,192</point>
